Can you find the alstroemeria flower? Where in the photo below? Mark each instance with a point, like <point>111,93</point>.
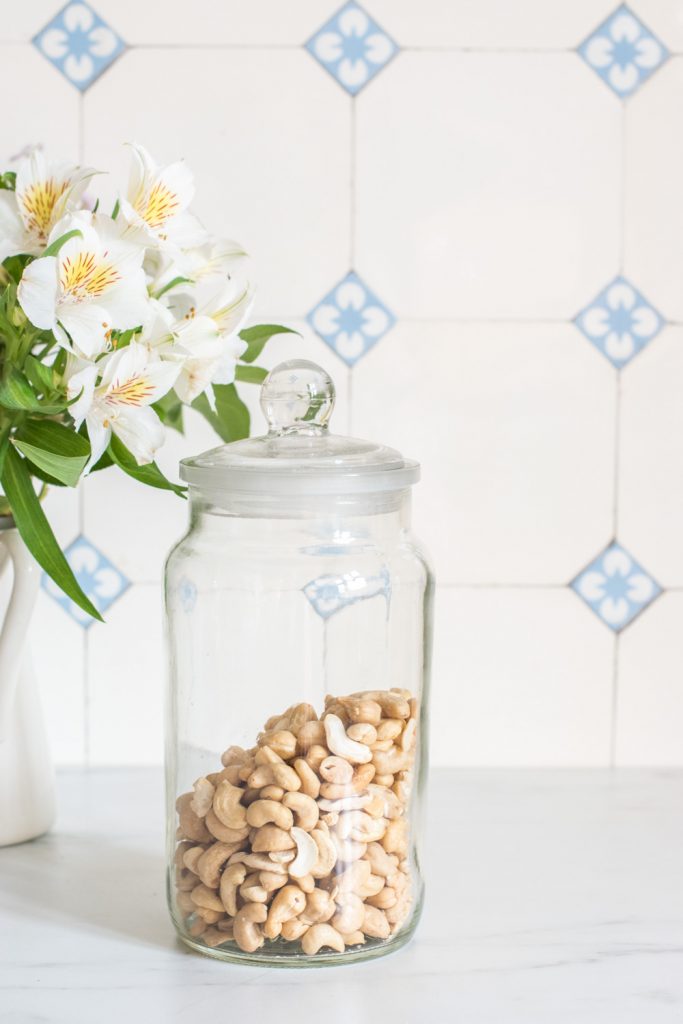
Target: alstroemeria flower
<point>157,202</point>
<point>45,192</point>
<point>94,285</point>
<point>204,357</point>
<point>120,403</point>
<point>225,300</point>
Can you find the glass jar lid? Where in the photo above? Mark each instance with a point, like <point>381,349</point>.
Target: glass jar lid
<point>299,455</point>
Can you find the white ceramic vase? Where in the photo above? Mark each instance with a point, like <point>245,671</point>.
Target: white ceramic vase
<point>27,788</point>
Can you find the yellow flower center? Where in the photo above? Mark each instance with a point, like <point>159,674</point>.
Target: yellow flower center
<point>83,277</point>
<point>157,205</point>
<point>129,392</point>
<point>38,203</point>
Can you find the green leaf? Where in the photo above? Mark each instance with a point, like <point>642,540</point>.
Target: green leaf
<point>115,211</point>
<point>257,336</point>
<point>53,249</point>
<point>4,444</point>
<point>231,418</point>
<point>251,374</point>
<point>169,409</point>
<point>41,376</point>
<point>149,474</point>
<point>17,393</point>
<point>35,530</point>
<point>172,284</point>
<point>52,447</point>
<point>8,180</point>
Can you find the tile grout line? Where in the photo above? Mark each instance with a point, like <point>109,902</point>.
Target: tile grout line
<point>81,504</point>
<point>352,237</point>
<point>614,704</point>
<point>617,427</point>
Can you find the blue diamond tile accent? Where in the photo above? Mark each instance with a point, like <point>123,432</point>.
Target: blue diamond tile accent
<point>351,319</point>
<point>79,44</point>
<point>623,52</point>
<point>99,579</point>
<point>619,322</point>
<point>616,587</point>
<point>329,594</point>
<point>352,47</point>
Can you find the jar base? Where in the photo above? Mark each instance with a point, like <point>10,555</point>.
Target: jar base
<point>373,949</point>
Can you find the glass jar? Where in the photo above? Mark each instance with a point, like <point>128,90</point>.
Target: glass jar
<point>298,627</point>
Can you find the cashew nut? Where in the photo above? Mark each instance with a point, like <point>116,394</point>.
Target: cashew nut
<point>203,797</point>
<point>251,889</point>
<point>248,934</point>
<point>231,879</point>
<point>304,809</point>
<point>307,853</point>
<point>263,811</point>
<point>349,916</point>
<point>361,709</point>
<point>319,935</point>
<point>319,907</point>
<point>375,923</point>
<point>191,825</point>
<point>388,762</point>
<point>336,769</point>
<point>227,805</point>
<point>326,854</point>
<point>212,860</point>
<point>339,743</point>
<point>310,783</point>
<point>310,734</point>
<point>363,732</point>
<point>270,838</point>
<point>360,779</point>
<point>281,742</point>
<point>213,937</point>
<point>220,831</point>
<point>347,803</point>
<point>233,755</point>
<point>207,898</point>
<point>287,903</point>
<point>294,929</point>
<point>271,793</point>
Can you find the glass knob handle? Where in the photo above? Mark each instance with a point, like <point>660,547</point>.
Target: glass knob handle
<point>297,397</point>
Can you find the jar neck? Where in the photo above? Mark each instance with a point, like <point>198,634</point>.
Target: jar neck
<point>338,517</point>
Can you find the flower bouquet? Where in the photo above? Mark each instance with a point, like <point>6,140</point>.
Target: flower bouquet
<point>110,323</point>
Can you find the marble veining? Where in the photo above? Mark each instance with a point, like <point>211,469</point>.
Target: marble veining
<point>553,896</point>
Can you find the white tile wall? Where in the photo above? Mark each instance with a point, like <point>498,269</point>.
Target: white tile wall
<point>487,185</point>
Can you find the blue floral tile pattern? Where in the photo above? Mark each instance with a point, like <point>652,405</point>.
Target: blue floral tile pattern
<point>352,47</point>
<point>329,594</point>
<point>623,52</point>
<point>351,319</point>
<point>79,44</point>
<point>616,587</point>
<point>620,322</point>
<point>99,579</point>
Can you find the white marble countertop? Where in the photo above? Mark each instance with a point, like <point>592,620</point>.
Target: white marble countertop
<point>553,896</point>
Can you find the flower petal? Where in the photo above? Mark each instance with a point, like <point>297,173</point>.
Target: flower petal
<point>141,431</point>
<point>37,292</point>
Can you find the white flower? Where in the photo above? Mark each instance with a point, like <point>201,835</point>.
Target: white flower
<point>157,202</point>
<point>624,52</point>
<point>45,192</point>
<point>217,258</point>
<point>203,355</point>
<point>94,285</point>
<point>120,403</point>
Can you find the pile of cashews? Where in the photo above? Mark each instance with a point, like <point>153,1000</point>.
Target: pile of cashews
<point>304,837</point>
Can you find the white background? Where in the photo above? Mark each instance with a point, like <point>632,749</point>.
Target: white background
<point>486,185</point>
